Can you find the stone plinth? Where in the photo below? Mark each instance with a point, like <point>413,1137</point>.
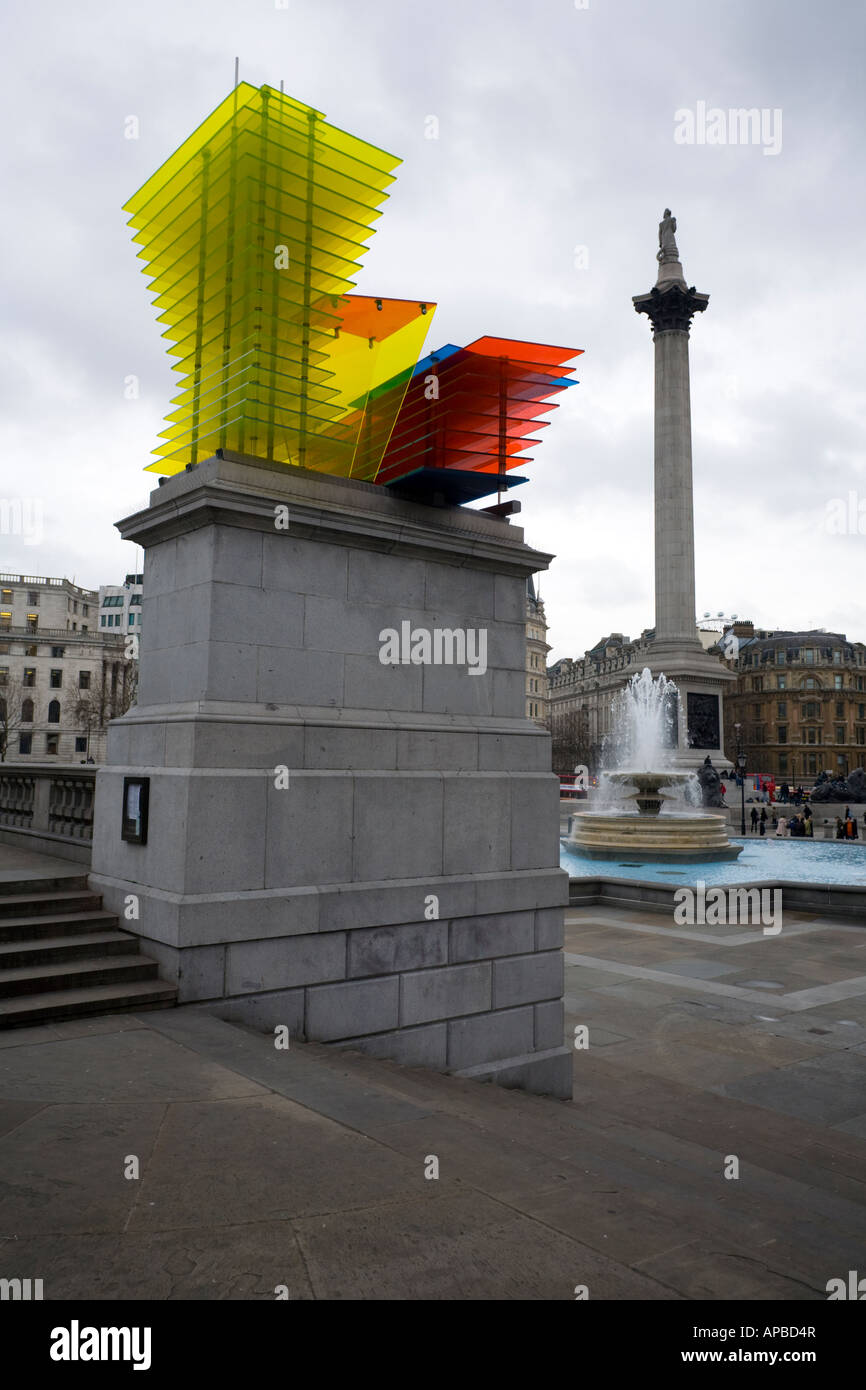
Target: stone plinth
<point>366,853</point>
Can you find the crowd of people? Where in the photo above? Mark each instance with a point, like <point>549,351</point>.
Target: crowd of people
<point>800,825</point>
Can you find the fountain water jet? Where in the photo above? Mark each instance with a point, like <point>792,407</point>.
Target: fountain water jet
<point>641,743</point>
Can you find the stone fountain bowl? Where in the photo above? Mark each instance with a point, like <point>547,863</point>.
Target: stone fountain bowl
<point>686,836</point>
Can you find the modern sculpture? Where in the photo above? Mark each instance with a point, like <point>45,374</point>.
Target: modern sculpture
<point>252,233</point>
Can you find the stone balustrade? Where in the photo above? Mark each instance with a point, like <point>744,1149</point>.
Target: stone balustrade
<point>48,807</point>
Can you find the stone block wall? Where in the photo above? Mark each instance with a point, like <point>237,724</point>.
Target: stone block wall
<point>402,892</point>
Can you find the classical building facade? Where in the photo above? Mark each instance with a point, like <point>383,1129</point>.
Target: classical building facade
<point>61,677</point>
<point>800,700</point>
<point>581,692</point>
<point>537,648</point>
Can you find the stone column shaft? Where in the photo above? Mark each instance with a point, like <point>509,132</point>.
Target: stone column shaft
<point>674,518</point>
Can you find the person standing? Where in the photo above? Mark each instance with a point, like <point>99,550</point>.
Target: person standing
<point>754,819</point>
<point>782,828</point>
<point>840,828</point>
<point>763,820</point>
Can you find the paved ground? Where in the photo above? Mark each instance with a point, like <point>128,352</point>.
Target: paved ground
<point>17,864</point>
<point>306,1168</point>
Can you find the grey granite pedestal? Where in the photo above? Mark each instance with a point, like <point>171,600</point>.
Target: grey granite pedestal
<point>366,853</point>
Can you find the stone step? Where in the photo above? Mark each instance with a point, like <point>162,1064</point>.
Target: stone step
<point>22,1010</point>
<point>56,924</point>
<point>60,883</point>
<point>44,950</point>
<point>93,970</point>
<point>22,904</point>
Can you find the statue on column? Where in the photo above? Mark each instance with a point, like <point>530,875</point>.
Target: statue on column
<point>667,239</point>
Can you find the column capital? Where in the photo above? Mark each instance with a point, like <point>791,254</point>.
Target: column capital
<point>671,309</point>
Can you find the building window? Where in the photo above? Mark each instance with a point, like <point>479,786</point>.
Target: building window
<point>57,652</point>
<point>6,595</point>
<point>32,622</point>
<point>55,680</point>
<point>83,680</point>
<point>783,762</point>
<point>781,682</point>
<point>27,712</point>
<point>33,598</point>
<point>31,651</point>
<point>25,743</point>
<point>85,610</point>
<point>102,621</point>
<point>782,709</point>
<point>809,683</point>
<point>81,745</point>
<point>756,711</point>
<point>29,677</point>
<point>4,676</point>
<point>810,733</point>
<point>757,682</point>
<point>5,621</point>
<point>837,682</point>
<point>813,765</point>
<point>52,743</point>
<point>837,657</point>
<point>780,656</point>
<point>54,712</point>
<point>861,711</point>
<point>840,709</point>
<point>782,733</point>
<point>861,736</point>
<point>809,656</point>
<point>840,733</point>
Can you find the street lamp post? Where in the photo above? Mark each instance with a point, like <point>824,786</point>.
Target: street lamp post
<point>741,769</point>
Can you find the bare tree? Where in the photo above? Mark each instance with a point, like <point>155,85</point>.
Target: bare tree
<point>13,693</point>
<point>572,744</point>
<point>89,714</point>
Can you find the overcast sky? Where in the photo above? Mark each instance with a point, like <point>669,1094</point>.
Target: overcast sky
<point>533,215</point>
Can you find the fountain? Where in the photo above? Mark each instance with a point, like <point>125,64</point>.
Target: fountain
<point>641,743</point>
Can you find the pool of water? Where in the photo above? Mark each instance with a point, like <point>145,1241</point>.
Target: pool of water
<point>793,861</point>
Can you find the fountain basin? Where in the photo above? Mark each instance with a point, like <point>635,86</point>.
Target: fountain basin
<point>701,837</point>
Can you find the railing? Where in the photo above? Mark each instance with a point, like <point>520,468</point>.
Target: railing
<point>22,580</point>
<point>47,802</point>
<point>37,634</point>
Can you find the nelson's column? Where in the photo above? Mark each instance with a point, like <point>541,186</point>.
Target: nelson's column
<point>676,649</point>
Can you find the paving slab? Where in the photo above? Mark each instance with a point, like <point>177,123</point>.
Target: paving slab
<point>242,1262</point>
<point>464,1247</point>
